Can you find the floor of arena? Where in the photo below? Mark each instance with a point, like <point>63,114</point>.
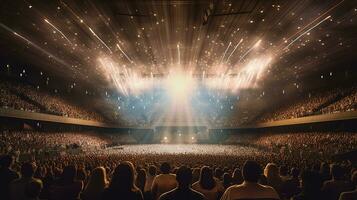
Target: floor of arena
<point>177,149</point>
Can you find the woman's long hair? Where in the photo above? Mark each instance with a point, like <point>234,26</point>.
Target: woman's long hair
<point>123,178</point>
<point>97,181</point>
<point>271,172</point>
<point>206,180</point>
<point>141,179</point>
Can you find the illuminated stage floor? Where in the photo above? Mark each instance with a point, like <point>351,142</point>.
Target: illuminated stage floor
<point>179,149</point>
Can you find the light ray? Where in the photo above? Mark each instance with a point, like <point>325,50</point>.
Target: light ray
<point>54,27</point>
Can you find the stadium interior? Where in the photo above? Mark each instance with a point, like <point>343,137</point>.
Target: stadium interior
<point>178,99</point>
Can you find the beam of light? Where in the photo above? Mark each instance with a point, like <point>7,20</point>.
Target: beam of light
<point>126,81</point>
<point>50,55</point>
<point>178,54</point>
<point>308,30</point>
<point>230,55</point>
<point>224,54</point>
<point>95,35</point>
<point>317,18</point>
<point>247,76</point>
<point>71,11</point>
<point>249,50</point>
<point>126,56</point>
<point>54,27</point>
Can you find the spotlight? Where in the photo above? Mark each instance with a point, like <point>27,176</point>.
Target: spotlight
<point>179,85</point>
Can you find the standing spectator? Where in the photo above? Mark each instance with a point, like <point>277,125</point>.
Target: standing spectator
<point>210,187</point>
<point>149,180</point>
<point>122,184</point>
<point>250,188</point>
<point>183,190</point>
<point>7,175</point>
<point>351,195</point>
<point>67,187</point>
<point>33,190</point>
<point>163,182</point>
<point>18,186</point>
<point>237,178</point>
<point>290,187</point>
<point>311,186</point>
<point>141,179</point>
<point>96,184</point>
<point>334,187</point>
<point>271,172</point>
<point>227,180</point>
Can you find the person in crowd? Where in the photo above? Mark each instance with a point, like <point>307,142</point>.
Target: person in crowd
<point>183,190</point>
<point>218,173</point>
<point>250,188</point>
<point>163,182</point>
<point>150,178</point>
<point>96,184</point>
<point>48,181</point>
<point>351,195</point>
<point>81,175</point>
<point>311,186</point>
<point>67,187</point>
<point>237,178</point>
<point>290,186</point>
<point>122,185</point>
<point>271,172</point>
<point>195,174</point>
<point>283,173</point>
<point>227,180</point>
<point>7,175</point>
<point>18,186</point>
<point>209,186</point>
<point>334,187</point>
<point>325,171</point>
<point>141,179</point>
<point>33,190</point>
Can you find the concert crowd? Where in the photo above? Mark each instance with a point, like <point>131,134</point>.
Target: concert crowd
<point>272,166</point>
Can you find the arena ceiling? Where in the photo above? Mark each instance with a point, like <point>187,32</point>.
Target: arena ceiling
<point>264,46</point>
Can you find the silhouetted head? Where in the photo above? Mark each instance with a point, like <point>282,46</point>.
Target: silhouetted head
<point>152,170</point>
<point>184,177</point>
<point>165,168</point>
<point>27,170</point>
<point>251,171</point>
<point>336,171</point>
<point>311,181</point>
<point>6,161</point>
<point>271,171</point>
<point>295,172</point>
<point>206,179</point>
<point>69,174</point>
<point>123,177</point>
<point>283,170</point>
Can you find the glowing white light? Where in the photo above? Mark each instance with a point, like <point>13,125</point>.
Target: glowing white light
<point>179,85</point>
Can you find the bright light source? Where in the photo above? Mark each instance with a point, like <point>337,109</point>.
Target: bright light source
<point>179,85</point>
<point>165,138</point>
<point>192,138</point>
